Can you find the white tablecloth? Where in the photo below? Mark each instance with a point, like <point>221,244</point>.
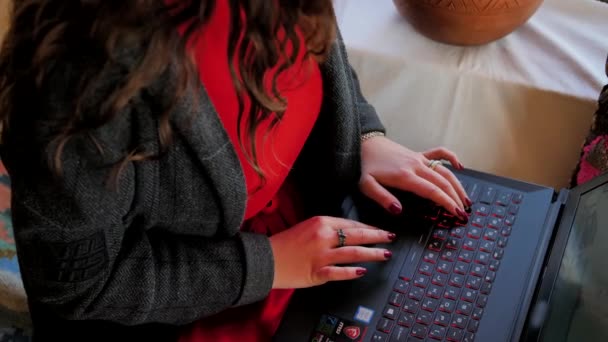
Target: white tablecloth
<point>518,107</point>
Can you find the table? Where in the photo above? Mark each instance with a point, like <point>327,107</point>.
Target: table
<point>519,107</point>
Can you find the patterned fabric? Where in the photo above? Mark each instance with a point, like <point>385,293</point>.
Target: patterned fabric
<point>594,155</point>
<point>13,303</point>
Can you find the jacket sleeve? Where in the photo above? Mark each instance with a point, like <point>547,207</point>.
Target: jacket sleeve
<point>368,116</point>
<point>83,257</point>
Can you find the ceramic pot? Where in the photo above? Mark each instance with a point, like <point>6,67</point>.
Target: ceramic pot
<point>466,22</point>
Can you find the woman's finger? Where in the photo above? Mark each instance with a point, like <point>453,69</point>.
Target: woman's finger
<point>443,153</point>
<point>439,180</point>
<point>375,191</point>
<point>340,223</point>
<point>353,254</point>
<point>428,190</point>
<point>337,273</point>
<point>462,194</point>
<point>363,236</point>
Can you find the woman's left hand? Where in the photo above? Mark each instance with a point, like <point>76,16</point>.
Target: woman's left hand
<point>386,163</point>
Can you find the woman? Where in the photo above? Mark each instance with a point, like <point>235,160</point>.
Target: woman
<point>170,162</point>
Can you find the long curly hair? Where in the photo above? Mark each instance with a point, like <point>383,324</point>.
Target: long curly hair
<point>44,32</point>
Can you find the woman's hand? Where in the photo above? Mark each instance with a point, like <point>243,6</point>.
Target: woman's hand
<point>308,253</point>
<point>386,163</point>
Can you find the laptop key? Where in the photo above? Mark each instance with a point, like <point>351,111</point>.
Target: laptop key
<point>421,281</point>
<point>487,246</point>
<point>457,280</point>
<point>461,268</point>
<point>494,265</point>
<point>488,195</point>
<point>419,330</point>
<point>490,276</point>
<point>400,334</point>
<point>510,220</point>
<point>473,326</point>
<point>473,282</point>
<point>478,221</point>
<point>379,337</point>
<point>437,332</point>
<point>416,293</point>
<point>495,222</point>
<point>482,210</point>
<point>390,312</point>
<point>474,192</point>
<point>454,335</point>
<point>464,308</point>
<point>477,313</point>
<point>426,268</point>
<point>447,306</point>
<point>470,244</point>
<point>451,292</point>
<point>474,232</point>
<point>504,199</point>
<point>401,286</point>
<point>440,234</point>
<point>411,305</point>
<point>482,301</point>
<point>469,295</point>
<point>442,318</point>
<point>448,255</point>
<point>498,253</point>
<point>413,339</point>
<point>486,288</point>
<point>429,304</point>
<point>453,243</point>
<point>424,317</point>
<point>435,245</point>
<point>506,231</point>
<point>499,212</point>
<point>434,291</point>
<point>439,279</point>
<point>513,209</point>
<point>457,232</point>
<point>466,256</point>
<point>459,321</point>
<point>430,256</point>
<point>444,267</point>
<point>396,299</point>
<point>479,270</point>
<point>490,235</point>
<point>502,241</point>
<point>385,325</point>
<point>482,258</point>
<point>406,319</point>
<point>517,198</point>
<point>468,337</point>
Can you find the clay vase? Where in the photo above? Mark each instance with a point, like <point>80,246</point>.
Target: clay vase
<point>466,22</point>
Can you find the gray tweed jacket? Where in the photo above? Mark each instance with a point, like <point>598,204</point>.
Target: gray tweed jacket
<point>163,248</point>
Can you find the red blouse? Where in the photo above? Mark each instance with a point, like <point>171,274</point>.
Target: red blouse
<point>273,207</point>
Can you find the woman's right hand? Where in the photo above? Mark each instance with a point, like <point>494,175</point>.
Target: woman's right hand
<point>308,254</point>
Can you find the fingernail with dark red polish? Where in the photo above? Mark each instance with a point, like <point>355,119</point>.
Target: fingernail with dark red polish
<point>395,209</point>
<point>392,236</point>
<point>361,271</point>
<point>462,214</point>
<point>388,254</point>
<point>461,166</point>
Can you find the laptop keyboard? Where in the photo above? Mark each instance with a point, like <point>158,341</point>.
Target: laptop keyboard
<point>443,288</point>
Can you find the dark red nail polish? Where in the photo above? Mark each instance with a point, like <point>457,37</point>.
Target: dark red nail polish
<point>395,209</point>
<point>461,212</point>
<point>461,166</point>
<point>388,254</point>
<point>468,202</point>
<point>361,271</point>
<point>392,236</point>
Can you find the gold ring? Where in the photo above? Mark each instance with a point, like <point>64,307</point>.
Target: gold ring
<point>341,238</point>
<point>433,164</point>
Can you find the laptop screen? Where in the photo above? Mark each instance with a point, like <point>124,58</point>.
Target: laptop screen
<point>579,303</point>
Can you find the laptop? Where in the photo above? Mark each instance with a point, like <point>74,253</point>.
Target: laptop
<point>531,265</point>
